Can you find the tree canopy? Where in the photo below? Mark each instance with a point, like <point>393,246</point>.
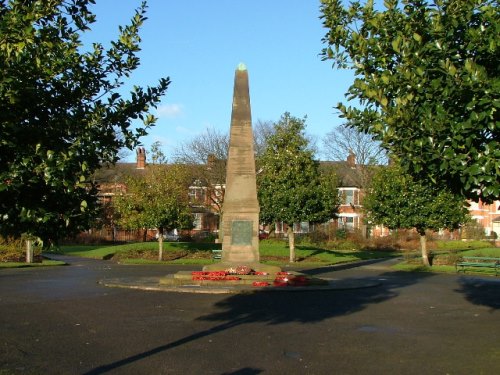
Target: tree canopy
<point>290,185</point>
<point>397,201</point>
<point>63,113</point>
<point>158,198</point>
<point>427,85</point>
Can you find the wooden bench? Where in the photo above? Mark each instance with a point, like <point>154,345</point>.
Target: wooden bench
<point>216,254</point>
<point>480,262</point>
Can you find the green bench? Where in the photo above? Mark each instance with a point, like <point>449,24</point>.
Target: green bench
<point>479,262</point>
<point>216,254</point>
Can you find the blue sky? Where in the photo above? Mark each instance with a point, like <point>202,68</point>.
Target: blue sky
<point>199,44</point>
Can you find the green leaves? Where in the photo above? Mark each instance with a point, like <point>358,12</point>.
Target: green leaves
<point>156,199</point>
<point>62,113</point>
<point>398,201</point>
<point>290,185</point>
<point>424,72</point>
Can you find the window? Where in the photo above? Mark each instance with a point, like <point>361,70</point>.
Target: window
<point>302,227</point>
<point>197,223</point>
<point>349,196</point>
<point>347,222</point>
<point>197,193</point>
<point>279,227</point>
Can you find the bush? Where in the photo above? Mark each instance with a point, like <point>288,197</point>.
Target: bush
<point>13,250</point>
<point>473,231</point>
<point>318,237</point>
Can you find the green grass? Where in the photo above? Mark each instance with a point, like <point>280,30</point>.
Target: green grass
<point>272,252</point>
<point>458,245</point>
<point>105,252</point>
<point>45,263</point>
<point>493,252</point>
<point>481,251</point>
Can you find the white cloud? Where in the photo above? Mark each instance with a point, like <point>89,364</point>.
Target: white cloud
<point>169,110</point>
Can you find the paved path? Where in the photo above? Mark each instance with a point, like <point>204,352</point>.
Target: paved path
<point>61,321</point>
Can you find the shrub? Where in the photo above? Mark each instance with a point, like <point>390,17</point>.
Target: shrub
<point>473,231</point>
<point>13,250</point>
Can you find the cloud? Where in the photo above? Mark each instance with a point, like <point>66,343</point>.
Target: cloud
<point>169,110</point>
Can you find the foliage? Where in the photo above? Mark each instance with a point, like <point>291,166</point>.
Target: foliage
<point>427,85</point>
<point>396,200</point>
<point>158,198</point>
<point>157,154</point>
<point>62,113</point>
<point>473,230</point>
<point>291,188</point>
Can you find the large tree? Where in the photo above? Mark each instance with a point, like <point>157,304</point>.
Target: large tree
<point>63,113</point>
<point>291,188</point>
<point>397,201</point>
<point>157,198</point>
<point>427,85</point>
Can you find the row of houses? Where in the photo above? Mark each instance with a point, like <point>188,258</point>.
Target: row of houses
<point>205,202</point>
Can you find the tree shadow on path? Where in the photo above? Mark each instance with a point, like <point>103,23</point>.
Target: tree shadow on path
<point>284,307</point>
<point>481,291</point>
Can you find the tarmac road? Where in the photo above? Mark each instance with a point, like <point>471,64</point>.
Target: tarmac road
<point>59,320</point>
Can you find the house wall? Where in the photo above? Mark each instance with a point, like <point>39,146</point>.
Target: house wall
<point>488,215</point>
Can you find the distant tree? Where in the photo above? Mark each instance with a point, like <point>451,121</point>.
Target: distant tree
<point>262,131</point>
<point>345,141</point>
<point>63,113</point>
<point>157,199</point>
<point>207,156</point>
<point>157,155</point>
<point>427,85</point>
<point>397,201</point>
<point>290,186</point>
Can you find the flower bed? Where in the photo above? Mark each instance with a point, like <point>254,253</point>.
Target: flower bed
<point>282,279</point>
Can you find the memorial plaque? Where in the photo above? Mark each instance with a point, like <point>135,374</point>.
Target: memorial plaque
<point>241,232</point>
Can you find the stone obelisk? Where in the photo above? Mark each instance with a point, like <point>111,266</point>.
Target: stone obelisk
<point>240,209</point>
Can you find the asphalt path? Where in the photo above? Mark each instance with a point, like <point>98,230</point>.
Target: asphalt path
<point>60,320</point>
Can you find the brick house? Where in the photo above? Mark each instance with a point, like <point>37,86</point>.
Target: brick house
<point>207,193</point>
<point>488,215</point>
<point>112,181</point>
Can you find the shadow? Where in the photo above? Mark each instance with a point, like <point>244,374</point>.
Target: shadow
<point>481,291</point>
<point>271,307</point>
<point>245,371</point>
<point>342,266</point>
<point>310,306</point>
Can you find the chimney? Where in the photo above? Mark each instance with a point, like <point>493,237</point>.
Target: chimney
<point>211,161</point>
<point>351,159</point>
<point>141,158</point>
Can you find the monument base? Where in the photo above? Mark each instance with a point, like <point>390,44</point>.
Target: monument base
<point>259,267</point>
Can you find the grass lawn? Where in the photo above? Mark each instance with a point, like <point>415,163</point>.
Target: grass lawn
<point>45,263</point>
<point>452,251</point>
<point>272,252</point>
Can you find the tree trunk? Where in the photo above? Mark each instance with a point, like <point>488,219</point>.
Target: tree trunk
<point>423,248</point>
<point>160,244</point>
<point>291,243</point>
<point>29,251</point>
